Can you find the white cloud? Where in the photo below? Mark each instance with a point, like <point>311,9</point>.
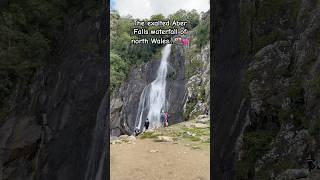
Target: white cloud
<point>146,8</point>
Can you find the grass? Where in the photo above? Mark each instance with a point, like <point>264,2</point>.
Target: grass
<point>194,138</point>
<point>200,139</point>
<point>150,135</point>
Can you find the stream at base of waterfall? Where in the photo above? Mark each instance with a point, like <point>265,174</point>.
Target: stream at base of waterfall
<point>153,97</point>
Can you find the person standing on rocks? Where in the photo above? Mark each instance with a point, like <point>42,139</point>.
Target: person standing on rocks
<point>166,119</point>
<point>146,124</point>
<point>162,118</point>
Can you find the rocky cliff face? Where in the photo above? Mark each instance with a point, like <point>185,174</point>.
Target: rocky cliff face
<point>57,125</point>
<point>198,85</point>
<point>124,105</point>
<point>282,85</point>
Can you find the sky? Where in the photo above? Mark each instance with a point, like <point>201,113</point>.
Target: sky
<point>146,8</point>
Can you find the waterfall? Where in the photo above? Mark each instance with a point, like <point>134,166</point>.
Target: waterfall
<point>153,96</point>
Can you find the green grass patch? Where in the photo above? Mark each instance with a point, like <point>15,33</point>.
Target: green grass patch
<point>194,138</point>
<point>150,135</point>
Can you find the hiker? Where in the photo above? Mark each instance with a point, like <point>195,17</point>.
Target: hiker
<point>166,119</point>
<point>310,163</point>
<point>162,118</point>
<point>146,124</point>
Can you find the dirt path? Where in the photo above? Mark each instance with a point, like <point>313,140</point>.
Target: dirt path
<point>170,161</point>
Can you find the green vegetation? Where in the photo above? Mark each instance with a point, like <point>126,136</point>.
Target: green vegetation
<point>192,17</point>
<point>189,107</point>
<point>117,69</point>
<point>150,135</point>
<point>202,34</point>
<point>256,144</point>
<point>180,133</point>
<point>194,66</point>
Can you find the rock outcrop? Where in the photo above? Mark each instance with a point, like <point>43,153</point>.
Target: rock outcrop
<point>198,85</point>
<point>282,84</point>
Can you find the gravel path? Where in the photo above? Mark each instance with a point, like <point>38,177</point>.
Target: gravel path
<point>148,160</point>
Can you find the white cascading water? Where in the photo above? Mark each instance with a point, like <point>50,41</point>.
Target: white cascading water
<point>153,96</point>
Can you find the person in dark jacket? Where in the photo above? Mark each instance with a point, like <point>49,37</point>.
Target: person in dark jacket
<point>146,124</point>
<point>162,118</point>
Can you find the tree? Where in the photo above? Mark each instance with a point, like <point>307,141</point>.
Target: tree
<point>193,19</point>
